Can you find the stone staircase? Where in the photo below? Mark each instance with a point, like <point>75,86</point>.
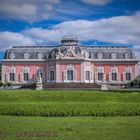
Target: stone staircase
<point>71,86</point>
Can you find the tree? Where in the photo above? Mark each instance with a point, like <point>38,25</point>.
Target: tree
<point>136,82</point>
<point>0,70</point>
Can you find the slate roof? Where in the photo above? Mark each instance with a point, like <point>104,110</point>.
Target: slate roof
<point>106,52</point>
<point>46,51</point>
<point>31,50</point>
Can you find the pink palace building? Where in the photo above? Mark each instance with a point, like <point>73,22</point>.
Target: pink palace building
<point>69,62</point>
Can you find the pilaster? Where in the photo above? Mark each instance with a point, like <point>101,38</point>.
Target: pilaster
<point>82,72</point>
<point>57,72</point>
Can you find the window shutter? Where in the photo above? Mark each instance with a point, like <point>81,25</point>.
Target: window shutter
<point>7,77</point>
<point>96,76</point>
<point>104,76</point>
<point>118,77</point>
<point>29,78</point>
<point>48,77</point>
<point>75,74</point>
<point>131,76</point>
<point>124,77</point>
<point>110,76</point>
<point>35,76</point>
<point>21,77</point>
<point>91,76</point>
<point>16,77</point>
<point>43,76</point>
<point>64,74</point>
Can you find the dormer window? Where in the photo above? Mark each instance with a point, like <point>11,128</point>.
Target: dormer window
<point>99,55</point>
<point>12,56</point>
<point>26,55</point>
<point>39,55</point>
<point>113,55</point>
<point>126,55</point>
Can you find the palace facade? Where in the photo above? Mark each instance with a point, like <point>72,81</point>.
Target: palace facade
<point>69,62</point>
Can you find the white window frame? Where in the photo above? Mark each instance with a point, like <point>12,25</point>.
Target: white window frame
<point>25,70</point>
<point>100,70</point>
<point>88,76</point>
<point>11,70</point>
<point>127,70</point>
<point>70,76</point>
<point>51,67</point>
<point>70,67</point>
<point>114,70</point>
<point>52,80</point>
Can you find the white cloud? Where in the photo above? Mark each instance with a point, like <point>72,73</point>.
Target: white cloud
<point>96,2</point>
<point>38,10</point>
<point>8,39</point>
<point>25,12</point>
<point>120,29</point>
<point>28,10</point>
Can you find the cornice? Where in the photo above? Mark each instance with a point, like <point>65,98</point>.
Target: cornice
<point>73,59</point>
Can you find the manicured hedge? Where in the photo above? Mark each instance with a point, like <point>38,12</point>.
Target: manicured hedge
<point>70,109</point>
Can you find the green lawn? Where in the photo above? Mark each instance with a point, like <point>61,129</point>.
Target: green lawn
<point>72,128</point>
<point>69,96</point>
<point>69,113</point>
<point>69,103</point>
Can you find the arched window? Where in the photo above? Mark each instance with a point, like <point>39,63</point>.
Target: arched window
<point>69,73</point>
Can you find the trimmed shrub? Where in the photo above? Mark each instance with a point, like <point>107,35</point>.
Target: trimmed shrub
<point>70,109</point>
<point>1,83</point>
<point>8,84</point>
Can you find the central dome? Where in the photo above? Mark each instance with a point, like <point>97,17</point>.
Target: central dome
<point>68,52</point>
<point>69,48</point>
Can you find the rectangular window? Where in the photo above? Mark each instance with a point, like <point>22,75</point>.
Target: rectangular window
<point>128,73</point>
<point>26,76</point>
<point>114,76</point>
<point>52,75</point>
<point>100,76</point>
<point>12,77</point>
<point>88,75</point>
<point>128,76</point>
<point>70,75</point>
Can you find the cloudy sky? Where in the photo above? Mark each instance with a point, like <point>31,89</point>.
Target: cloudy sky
<point>44,22</point>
